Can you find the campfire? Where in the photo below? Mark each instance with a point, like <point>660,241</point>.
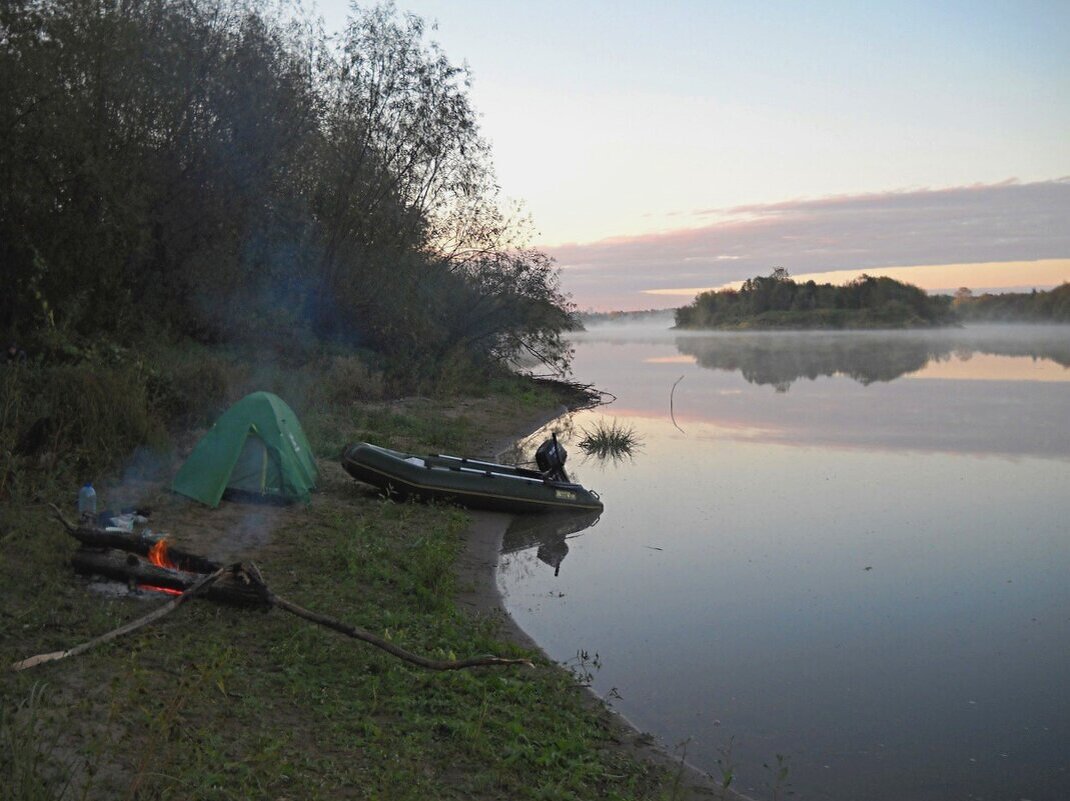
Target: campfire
<point>149,562</point>
<point>158,556</point>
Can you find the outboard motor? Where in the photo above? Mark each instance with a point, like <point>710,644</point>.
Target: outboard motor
<point>550,457</point>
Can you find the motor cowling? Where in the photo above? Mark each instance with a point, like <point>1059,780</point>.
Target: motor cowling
<point>550,457</point>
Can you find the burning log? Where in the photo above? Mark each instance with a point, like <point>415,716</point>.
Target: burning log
<point>124,566</point>
<point>135,542</point>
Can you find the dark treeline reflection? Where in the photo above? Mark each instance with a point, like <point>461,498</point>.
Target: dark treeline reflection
<point>780,359</point>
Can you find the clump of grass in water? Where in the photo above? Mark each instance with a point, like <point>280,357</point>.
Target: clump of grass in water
<point>612,440</point>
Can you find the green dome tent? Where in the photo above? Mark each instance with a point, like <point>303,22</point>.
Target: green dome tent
<point>256,447</point>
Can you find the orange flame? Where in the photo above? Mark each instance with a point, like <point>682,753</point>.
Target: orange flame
<point>158,556</point>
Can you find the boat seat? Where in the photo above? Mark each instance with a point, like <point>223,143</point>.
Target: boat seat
<point>437,461</point>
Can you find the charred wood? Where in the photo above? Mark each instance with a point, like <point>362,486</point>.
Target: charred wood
<point>232,587</point>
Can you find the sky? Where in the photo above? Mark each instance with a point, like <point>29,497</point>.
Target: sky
<point>667,147</point>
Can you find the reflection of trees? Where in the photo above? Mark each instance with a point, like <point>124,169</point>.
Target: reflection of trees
<point>1051,343</point>
<point>779,360</point>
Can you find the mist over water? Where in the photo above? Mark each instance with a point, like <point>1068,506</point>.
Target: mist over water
<point>850,549</point>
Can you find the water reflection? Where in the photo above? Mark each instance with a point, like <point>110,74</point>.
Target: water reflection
<point>548,534</point>
<point>987,390</point>
<point>867,357</point>
<point>836,573</point>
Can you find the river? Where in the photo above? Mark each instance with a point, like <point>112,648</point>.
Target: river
<point>837,565</point>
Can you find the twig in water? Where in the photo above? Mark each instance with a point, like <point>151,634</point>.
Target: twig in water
<point>672,413</point>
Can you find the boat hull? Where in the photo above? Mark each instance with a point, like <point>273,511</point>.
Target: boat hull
<point>466,482</point>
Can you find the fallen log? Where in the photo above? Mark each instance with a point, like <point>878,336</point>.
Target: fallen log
<point>364,635</point>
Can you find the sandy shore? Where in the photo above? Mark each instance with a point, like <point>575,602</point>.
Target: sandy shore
<point>477,578</point>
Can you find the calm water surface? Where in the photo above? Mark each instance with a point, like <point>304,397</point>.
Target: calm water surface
<point>851,550</point>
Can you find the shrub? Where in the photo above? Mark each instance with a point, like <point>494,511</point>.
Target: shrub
<point>349,378</point>
<point>189,392</point>
<point>69,423</point>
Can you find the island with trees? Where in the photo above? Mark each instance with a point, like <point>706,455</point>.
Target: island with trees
<point>776,301</point>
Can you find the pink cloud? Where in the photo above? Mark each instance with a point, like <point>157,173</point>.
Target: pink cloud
<point>1008,221</point>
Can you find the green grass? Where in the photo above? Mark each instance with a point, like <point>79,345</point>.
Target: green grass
<point>610,440</point>
<point>221,703</point>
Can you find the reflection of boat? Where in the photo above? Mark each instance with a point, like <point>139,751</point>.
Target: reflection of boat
<point>469,482</point>
<point>548,534</point>
<point>531,532</point>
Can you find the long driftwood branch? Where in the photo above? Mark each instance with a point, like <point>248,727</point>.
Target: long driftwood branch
<point>366,636</point>
<point>198,587</point>
<point>239,583</point>
<point>254,577</point>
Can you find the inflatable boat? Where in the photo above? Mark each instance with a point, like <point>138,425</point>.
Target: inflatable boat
<point>471,482</point>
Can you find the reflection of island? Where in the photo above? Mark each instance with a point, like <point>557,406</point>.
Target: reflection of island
<point>780,359</point>
<point>548,533</point>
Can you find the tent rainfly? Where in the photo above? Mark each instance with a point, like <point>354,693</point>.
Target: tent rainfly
<point>256,447</point>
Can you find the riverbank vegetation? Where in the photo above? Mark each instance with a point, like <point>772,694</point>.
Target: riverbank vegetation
<point>776,301</point>
<point>220,702</point>
<point>222,172</point>
<point>204,198</point>
<point>190,190</point>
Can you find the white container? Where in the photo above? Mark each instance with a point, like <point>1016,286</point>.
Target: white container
<point>87,500</point>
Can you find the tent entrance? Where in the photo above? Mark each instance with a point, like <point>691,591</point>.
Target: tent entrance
<point>257,470</point>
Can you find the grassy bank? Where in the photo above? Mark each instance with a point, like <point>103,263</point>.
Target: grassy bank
<point>222,703</point>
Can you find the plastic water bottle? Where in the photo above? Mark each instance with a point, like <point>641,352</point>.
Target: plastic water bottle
<point>87,500</point>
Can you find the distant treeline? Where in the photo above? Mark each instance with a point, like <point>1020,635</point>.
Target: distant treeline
<point>1052,306</point>
<point>216,170</point>
<point>777,301</point>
